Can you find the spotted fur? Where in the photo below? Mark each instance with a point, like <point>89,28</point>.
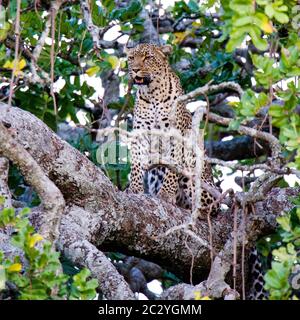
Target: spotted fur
<point>158,89</point>
<point>257,291</point>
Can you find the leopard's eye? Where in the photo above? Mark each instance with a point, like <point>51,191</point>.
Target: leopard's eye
<point>130,58</point>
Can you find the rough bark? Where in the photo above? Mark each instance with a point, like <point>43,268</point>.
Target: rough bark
<point>98,217</point>
<point>51,197</point>
<point>4,190</point>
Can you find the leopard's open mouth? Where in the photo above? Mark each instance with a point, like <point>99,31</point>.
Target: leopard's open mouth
<point>141,80</point>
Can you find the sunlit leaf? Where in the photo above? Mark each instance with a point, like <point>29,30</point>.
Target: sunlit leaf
<point>35,239</point>
<point>114,61</point>
<point>16,267</point>
<point>92,71</point>
<point>18,66</point>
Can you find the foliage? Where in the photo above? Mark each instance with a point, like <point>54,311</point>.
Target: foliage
<point>20,190</point>
<point>36,273</point>
<point>253,43</point>
<point>270,26</point>
<point>282,280</point>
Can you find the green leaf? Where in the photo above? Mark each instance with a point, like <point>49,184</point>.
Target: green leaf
<point>244,7</point>
<point>284,222</point>
<point>234,125</point>
<point>242,21</point>
<point>114,61</point>
<point>4,29</point>
<point>262,2</point>
<point>276,110</point>
<point>255,35</point>
<point>126,14</point>
<point>109,5</point>
<point>193,5</point>
<point>269,10</point>
<point>272,280</point>
<point>281,17</point>
<point>99,15</point>
<point>234,43</point>
<point>92,71</point>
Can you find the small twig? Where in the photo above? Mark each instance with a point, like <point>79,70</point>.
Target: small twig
<point>244,216</point>
<point>37,52</point>
<point>193,259</point>
<point>52,57</point>
<point>235,209</point>
<point>126,101</point>
<point>16,60</point>
<point>262,166</point>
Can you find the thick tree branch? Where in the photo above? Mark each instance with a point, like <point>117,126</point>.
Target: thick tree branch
<point>75,246</point>
<point>272,140</point>
<point>52,199</point>
<point>238,148</point>
<point>98,216</point>
<point>4,189</point>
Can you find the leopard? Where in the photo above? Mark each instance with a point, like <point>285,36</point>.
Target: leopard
<point>158,88</point>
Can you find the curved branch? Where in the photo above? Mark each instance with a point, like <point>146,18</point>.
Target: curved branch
<point>272,140</point>
<point>75,246</point>
<point>51,197</point>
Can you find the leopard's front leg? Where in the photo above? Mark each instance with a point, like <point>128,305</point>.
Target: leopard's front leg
<point>137,172</point>
<point>169,189</point>
<point>140,159</point>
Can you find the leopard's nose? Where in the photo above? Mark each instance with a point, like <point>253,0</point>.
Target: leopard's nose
<point>136,70</point>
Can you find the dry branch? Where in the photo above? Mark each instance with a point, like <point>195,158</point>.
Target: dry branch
<point>272,140</point>
<point>92,28</point>
<point>259,166</point>
<point>37,52</point>
<point>16,58</point>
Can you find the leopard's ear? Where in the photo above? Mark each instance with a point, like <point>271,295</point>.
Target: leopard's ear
<point>166,49</point>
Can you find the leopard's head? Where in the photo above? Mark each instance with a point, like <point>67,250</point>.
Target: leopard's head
<point>147,62</point>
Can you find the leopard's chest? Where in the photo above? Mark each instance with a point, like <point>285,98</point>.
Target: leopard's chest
<point>153,115</point>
